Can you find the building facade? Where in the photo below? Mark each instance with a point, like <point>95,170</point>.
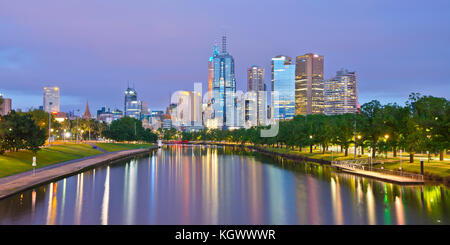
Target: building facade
<point>224,88</point>
<point>309,84</point>
<point>341,93</point>
<point>51,99</point>
<point>283,84</point>
<point>6,106</point>
<point>132,107</point>
<point>255,83</point>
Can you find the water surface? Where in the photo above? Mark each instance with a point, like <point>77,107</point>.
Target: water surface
<point>216,185</point>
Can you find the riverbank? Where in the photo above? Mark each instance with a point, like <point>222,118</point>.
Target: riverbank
<point>432,177</point>
<point>19,182</point>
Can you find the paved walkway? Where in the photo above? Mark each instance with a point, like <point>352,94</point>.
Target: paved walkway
<point>382,176</point>
<point>19,182</point>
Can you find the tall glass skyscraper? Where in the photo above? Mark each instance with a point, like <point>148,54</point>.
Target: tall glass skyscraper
<point>51,99</point>
<point>224,88</point>
<point>132,107</point>
<point>283,83</point>
<point>255,83</point>
<point>341,94</point>
<point>309,84</point>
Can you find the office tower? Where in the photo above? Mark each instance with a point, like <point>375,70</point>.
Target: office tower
<point>51,99</point>
<point>117,114</point>
<point>211,72</point>
<point>132,106</point>
<point>283,92</point>
<point>87,113</point>
<point>255,83</point>
<point>6,106</point>
<point>144,108</point>
<point>224,88</point>
<point>255,79</point>
<point>188,111</point>
<point>341,93</point>
<point>309,84</point>
<point>251,109</point>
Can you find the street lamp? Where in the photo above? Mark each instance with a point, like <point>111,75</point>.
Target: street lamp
<point>49,122</point>
<point>359,138</point>
<point>386,137</point>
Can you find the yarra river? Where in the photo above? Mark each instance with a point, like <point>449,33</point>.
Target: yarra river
<point>184,184</point>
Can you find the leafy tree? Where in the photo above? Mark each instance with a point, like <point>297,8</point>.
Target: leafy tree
<point>19,131</point>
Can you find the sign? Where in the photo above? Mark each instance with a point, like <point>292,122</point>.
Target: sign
<point>34,162</point>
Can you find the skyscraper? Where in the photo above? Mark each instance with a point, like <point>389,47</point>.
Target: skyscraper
<point>211,72</point>
<point>132,106</point>
<point>341,93</point>
<point>283,82</point>
<point>309,84</point>
<point>51,99</point>
<point>255,83</point>
<point>224,88</point>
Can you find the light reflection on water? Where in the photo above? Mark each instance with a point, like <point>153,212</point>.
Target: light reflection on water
<point>210,185</point>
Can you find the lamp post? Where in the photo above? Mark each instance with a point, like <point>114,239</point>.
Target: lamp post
<point>49,122</point>
<point>78,110</point>
<point>386,137</point>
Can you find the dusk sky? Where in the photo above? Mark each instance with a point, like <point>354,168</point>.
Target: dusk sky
<point>92,49</point>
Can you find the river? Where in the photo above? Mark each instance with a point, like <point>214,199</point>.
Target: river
<point>183,184</point>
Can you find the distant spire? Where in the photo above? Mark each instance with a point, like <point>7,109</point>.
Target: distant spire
<point>87,113</point>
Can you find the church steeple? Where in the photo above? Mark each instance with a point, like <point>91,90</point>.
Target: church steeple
<point>87,113</point>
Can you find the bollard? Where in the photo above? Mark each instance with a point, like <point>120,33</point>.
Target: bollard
<point>421,166</point>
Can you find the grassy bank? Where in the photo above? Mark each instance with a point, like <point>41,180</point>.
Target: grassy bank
<point>434,168</point>
<point>110,147</point>
<point>17,162</point>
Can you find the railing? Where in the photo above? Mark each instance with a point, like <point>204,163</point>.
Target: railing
<point>368,167</point>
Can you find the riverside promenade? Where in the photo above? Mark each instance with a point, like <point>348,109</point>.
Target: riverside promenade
<point>19,182</point>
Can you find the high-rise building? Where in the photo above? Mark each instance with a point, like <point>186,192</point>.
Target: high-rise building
<point>224,88</point>
<point>51,99</point>
<point>255,83</point>
<point>255,79</point>
<point>211,72</point>
<point>309,84</point>
<point>6,106</point>
<point>341,93</point>
<point>188,109</point>
<point>132,106</point>
<point>283,92</point>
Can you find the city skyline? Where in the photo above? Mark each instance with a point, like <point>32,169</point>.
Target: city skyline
<point>73,62</point>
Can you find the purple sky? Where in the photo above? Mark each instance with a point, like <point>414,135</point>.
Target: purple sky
<point>91,49</point>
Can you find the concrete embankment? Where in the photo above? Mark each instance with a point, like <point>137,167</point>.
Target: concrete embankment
<point>16,183</point>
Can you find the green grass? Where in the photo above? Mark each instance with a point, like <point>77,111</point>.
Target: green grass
<point>316,154</point>
<point>17,162</point>
<point>121,146</point>
<point>434,167</point>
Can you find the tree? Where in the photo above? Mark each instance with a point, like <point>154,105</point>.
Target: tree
<point>19,131</point>
<point>370,121</point>
<point>129,129</point>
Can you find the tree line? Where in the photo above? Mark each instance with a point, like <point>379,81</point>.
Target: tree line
<point>422,125</point>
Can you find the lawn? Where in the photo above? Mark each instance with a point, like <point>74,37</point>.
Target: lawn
<point>434,167</point>
<point>17,162</point>
<point>121,146</point>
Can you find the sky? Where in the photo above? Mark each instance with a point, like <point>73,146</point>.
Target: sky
<point>93,49</point>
